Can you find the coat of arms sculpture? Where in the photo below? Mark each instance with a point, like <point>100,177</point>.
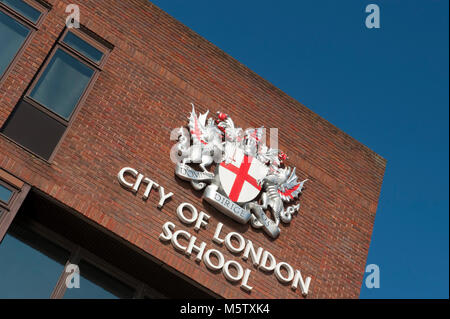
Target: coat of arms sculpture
<point>249,177</point>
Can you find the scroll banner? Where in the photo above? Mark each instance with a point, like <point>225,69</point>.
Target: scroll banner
<point>189,174</point>
<point>226,205</point>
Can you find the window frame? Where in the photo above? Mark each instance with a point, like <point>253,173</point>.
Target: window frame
<point>44,8</point>
<point>83,34</point>
<point>14,191</point>
<point>97,68</point>
<point>77,253</point>
<point>27,98</point>
<point>16,186</point>
<point>8,212</point>
<point>92,39</point>
<point>43,225</point>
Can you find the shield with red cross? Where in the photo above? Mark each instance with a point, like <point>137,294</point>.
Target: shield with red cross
<point>239,177</point>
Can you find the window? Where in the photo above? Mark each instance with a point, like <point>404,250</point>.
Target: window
<point>45,237</point>
<point>33,260</point>
<point>27,10</point>
<point>14,34</point>
<point>83,47</point>
<point>38,261</point>
<point>5,194</point>
<point>12,193</point>
<point>41,118</point>
<point>97,284</point>
<point>18,20</point>
<point>62,84</point>
<point>32,267</point>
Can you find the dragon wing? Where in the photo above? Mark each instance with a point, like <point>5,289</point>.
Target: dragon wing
<point>197,125</point>
<point>291,188</point>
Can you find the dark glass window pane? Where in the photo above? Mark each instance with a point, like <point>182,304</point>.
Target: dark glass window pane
<point>34,129</point>
<point>5,194</point>
<point>24,9</point>
<point>83,47</point>
<point>12,35</point>
<point>62,84</point>
<point>96,284</point>
<point>29,266</point>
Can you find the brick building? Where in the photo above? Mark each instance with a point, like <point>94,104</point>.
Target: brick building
<point>78,105</point>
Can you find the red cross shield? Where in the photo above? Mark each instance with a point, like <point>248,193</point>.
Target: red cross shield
<point>239,177</point>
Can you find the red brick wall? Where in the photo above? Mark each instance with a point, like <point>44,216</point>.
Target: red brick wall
<point>159,66</point>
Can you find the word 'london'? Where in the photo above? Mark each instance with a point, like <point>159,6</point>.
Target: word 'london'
<point>249,179</point>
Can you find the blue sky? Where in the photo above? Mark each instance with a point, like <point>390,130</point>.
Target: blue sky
<point>386,87</point>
